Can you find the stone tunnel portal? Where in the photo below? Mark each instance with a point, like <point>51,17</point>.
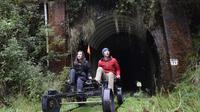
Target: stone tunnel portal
<point>134,48</point>
<point>137,58</point>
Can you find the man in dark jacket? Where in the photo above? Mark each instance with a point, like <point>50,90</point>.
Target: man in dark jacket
<point>80,71</point>
<point>108,67</point>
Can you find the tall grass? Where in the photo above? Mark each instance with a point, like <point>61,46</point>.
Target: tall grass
<point>184,98</point>
<point>22,104</point>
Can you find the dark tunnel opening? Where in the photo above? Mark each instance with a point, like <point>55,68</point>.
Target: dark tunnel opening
<point>137,57</point>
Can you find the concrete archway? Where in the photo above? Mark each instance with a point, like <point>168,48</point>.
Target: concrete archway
<point>133,46</point>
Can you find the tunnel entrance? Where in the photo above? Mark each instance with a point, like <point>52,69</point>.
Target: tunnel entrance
<point>137,58</point>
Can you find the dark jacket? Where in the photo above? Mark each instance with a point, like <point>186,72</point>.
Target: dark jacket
<point>82,67</point>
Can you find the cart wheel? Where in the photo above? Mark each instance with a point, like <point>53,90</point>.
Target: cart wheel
<point>44,103</point>
<point>50,102</point>
<point>81,98</point>
<point>119,96</point>
<point>108,104</point>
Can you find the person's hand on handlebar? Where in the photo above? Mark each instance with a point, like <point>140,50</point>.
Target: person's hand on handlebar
<point>118,76</point>
<point>90,78</point>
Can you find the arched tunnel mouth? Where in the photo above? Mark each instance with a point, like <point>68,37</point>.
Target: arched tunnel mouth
<point>137,57</point>
<point>132,45</point>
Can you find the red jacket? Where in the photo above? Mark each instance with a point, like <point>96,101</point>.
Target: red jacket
<point>110,65</point>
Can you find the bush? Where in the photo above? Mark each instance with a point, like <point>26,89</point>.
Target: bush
<point>23,51</point>
<point>184,98</point>
<point>21,104</point>
<point>18,75</point>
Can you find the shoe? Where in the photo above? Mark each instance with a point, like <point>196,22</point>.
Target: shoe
<point>97,84</point>
<point>89,82</point>
<point>72,89</point>
<point>79,91</point>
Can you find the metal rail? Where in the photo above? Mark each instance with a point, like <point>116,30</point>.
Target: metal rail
<point>83,102</point>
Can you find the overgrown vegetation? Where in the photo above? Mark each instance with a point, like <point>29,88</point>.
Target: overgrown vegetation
<point>184,98</point>
<point>195,55</point>
<point>21,104</point>
<point>82,15</point>
<point>23,53</point>
<point>75,7</point>
<point>23,73</point>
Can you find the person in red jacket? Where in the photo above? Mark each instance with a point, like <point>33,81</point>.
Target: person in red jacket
<point>108,67</point>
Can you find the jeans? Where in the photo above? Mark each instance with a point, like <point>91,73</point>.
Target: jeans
<point>77,79</point>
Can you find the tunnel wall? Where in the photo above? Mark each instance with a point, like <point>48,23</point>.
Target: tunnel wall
<point>162,48</point>
<point>177,34</point>
<point>172,37</point>
<point>56,20</point>
<point>131,26</point>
